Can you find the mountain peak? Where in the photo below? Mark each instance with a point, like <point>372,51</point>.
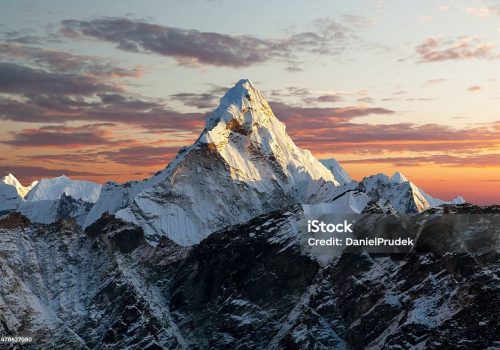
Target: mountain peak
<point>398,177</point>
<point>244,163</point>
<point>241,109</point>
<point>243,93</point>
<point>10,179</point>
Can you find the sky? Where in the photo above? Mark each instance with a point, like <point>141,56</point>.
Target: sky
<point>111,90</point>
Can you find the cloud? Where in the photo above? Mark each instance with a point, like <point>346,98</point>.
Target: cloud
<point>133,154</point>
<point>319,117</point>
<point>483,11</point>
<point>313,97</point>
<point>20,37</point>
<point>106,107</point>
<point>142,155</point>
<point>64,62</point>
<point>190,47</point>
<point>344,137</point>
<point>366,99</point>
<point>67,137</point>
<point>75,157</point>
<point>293,69</point>
<point>435,81</point>
<point>24,80</point>
<point>203,100</point>
<point>474,88</point>
<point>437,49</point>
<point>200,101</point>
<point>359,21</point>
<point>477,160</point>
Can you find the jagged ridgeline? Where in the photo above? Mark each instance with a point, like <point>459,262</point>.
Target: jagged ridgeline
<point>208,254</point>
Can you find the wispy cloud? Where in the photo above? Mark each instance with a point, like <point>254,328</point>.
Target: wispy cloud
<point>435,81</point>
<point>24,80</point>
<point>64,62</point>
<point>67,137</point>
<point>487,9</point>
<point>42,96</point>
<point>190,47</point>
<point>321,117</point>
<point>475,160</point>
<point>203,100</point>
<point>105,108</point>
<point>437,49</point>
<point>474,88</point>
<point>345,137</point>
<point>141,155</point>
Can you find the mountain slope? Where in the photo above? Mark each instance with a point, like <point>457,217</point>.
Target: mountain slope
<point>114,196</point>
<point>243,164</point>
<point>249,286</point>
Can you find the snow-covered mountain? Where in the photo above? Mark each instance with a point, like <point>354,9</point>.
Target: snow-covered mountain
<point>396,191</point>
<point>48,211</point>
<point>340,174</point>
<point>11,180</point>
<point>397,177</point>
<point>9,195</point>
<point>242,165</point>
<point>48,200</point>
<point>54,188</point>
<point>12,193</point>
<point>400,193</point>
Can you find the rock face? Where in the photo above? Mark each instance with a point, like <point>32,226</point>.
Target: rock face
<point>68,289</point>
<point>250,286</point>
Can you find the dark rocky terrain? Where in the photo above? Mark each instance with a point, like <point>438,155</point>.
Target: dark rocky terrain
<point>251,286</point>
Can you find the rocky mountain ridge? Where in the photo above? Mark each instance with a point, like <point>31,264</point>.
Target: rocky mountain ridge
<point>247,286</point>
